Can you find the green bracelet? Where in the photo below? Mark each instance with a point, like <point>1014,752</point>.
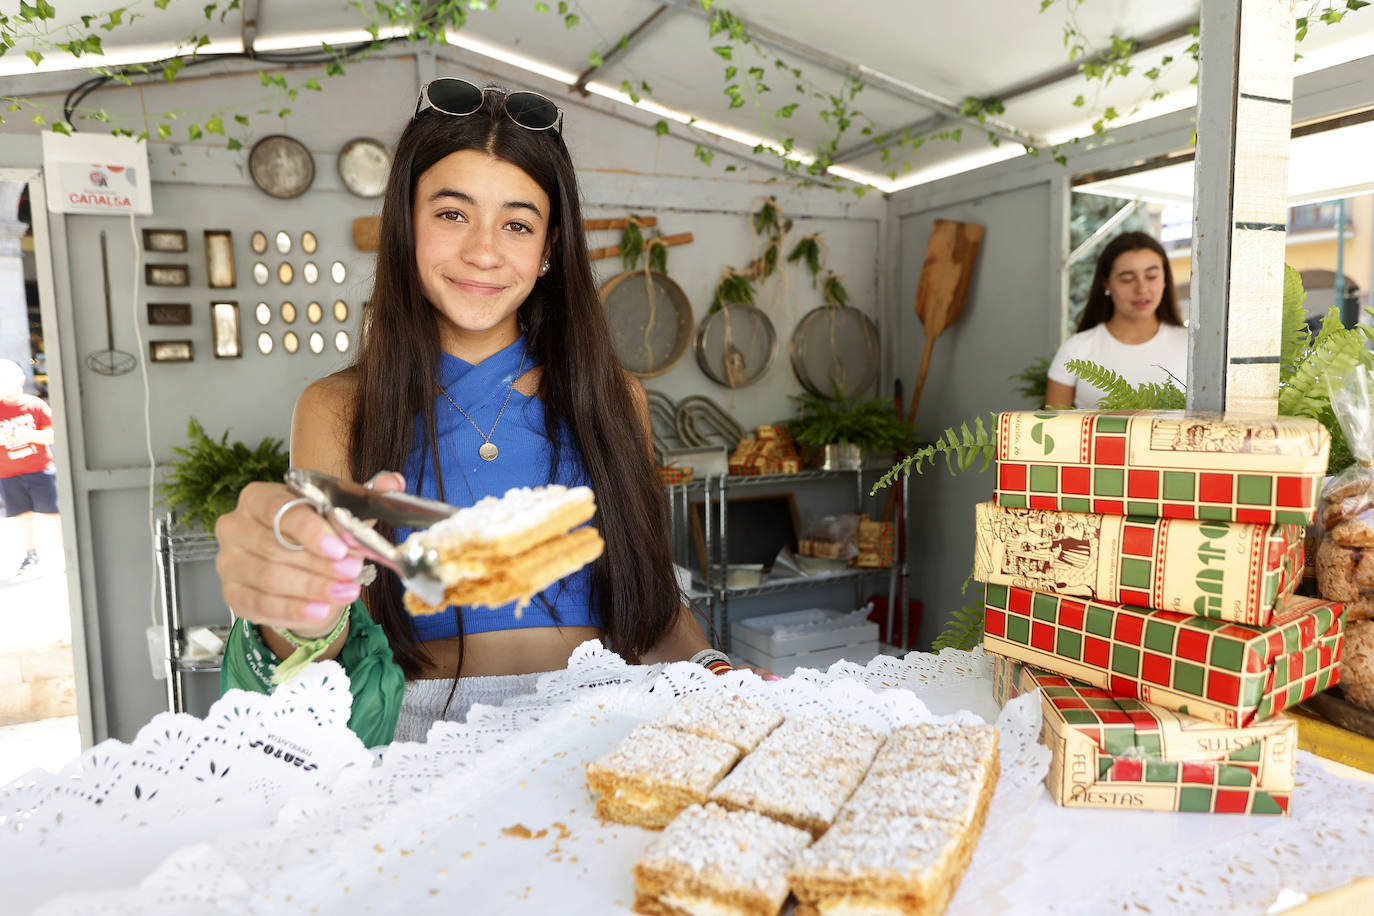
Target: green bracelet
<point>307,650</point>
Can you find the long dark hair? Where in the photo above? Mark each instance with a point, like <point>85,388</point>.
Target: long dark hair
<point>1099,307</point>
<point>583,389</point>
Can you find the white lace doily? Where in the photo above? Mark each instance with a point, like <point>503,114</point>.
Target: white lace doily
<point>270,805</point>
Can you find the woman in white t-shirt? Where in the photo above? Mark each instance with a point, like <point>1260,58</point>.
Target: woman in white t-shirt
<point>1130,324</point>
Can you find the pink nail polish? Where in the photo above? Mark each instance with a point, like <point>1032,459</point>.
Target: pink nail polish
<point>317,610</point>
<point>348,567</point>
<point>332,547</point>
<point>344,591</point>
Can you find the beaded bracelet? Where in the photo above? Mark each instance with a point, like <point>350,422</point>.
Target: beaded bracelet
<point>713,660</point>
<point>307,650</point>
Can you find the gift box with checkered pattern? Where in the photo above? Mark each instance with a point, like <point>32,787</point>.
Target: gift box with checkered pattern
<point>1162,464</point>
<point>1227,570</point>
<point>1224,672</point>
<point>1116,752</point>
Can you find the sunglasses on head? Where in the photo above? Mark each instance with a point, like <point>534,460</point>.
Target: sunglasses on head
<point>458,97</point>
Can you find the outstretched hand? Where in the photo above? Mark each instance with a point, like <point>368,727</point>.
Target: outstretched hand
<point>266,582</point>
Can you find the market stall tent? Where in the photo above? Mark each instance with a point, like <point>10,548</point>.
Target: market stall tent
<point>919,69</point>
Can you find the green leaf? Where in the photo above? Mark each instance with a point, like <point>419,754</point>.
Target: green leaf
<point>234,144</point>
<point>242,119</point>
<point>594,58</point>
<point>34,56</point>
<point>161,4</point>
<point>724,52</point>
<point>194,132</point>
<point>313,85</point>
<point>215,126</point>
<point>164,131</point>
<point>62,127</point>
<point>661,127</point>
<point>171,67</point>
<point>704,154</point>
<point>541,7</point>
<point>571,20</point>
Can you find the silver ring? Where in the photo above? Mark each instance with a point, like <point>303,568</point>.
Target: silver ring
<point>276,522</point>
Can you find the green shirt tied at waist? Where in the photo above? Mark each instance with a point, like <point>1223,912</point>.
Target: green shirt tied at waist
<point>374,679</point>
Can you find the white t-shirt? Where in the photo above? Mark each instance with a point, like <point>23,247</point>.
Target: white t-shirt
<point>1155,360</point>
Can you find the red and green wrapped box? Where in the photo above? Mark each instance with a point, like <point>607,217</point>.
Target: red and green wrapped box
<point>1227,570</point>
<point>1116,752</point>
<point>1162,464</point>
<point>1224,672</point>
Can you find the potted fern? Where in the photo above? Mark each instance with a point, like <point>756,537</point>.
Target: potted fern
<point>205,482</point>
<point>847,428</point>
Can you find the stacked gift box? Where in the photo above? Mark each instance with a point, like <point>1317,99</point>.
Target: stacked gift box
<point>1141,566</point>
<point>770,451</point>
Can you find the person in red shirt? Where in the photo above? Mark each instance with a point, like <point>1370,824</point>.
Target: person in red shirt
<point>28,477</point>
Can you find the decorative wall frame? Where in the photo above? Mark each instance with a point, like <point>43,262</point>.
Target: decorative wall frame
<point>228,336</point>
<point>258,242</point>
<point>166,275</point>
<point>178,313</point>
<point>219,259</point>
<point>341,341</point>
<point>285,273</point>
<point>314,312</point>
<point>264,343</point>
<point>310,273</point>
<point>316,342</point>
<point>340,311</point>
<point>283,242</point>
<point>288,312</point>
<point>170,351</point>
<point>261,274</point>
<point>165,240</point>
<point>308,242</point>
<point>337,272</point>
<point>290,342</point>
<point>263,313</point>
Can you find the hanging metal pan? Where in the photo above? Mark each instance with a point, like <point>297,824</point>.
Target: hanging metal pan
<point>835,342</point>
<point>651,321</point>
<point>736,345</point>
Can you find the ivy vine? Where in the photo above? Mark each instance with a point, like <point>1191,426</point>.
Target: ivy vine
<point>751,75</point>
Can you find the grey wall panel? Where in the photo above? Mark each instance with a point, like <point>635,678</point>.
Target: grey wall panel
<point>1002,329</point>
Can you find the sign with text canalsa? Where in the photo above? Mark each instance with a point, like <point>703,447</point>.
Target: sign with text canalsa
<point>88,173</point>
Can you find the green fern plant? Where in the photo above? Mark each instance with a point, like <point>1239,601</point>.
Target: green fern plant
<point>1034,381</point>
<point>205,483</point>
<point>960,448</point>
<point>964,629</point>
<point>1122,395</point>
<point>808,251</point>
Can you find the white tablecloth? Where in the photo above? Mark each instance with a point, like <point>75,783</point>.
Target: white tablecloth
<point>270,805</point>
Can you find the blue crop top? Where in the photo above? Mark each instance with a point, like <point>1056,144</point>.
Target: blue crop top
<point>524,460</point>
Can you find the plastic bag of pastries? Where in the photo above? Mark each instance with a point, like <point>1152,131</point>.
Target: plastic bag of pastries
<point>1345,556</point>
<point>1357,664</point>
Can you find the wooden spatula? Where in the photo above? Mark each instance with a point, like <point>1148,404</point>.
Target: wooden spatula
<point>950,256</point>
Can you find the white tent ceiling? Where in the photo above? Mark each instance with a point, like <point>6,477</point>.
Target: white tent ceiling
<point>918,60</point>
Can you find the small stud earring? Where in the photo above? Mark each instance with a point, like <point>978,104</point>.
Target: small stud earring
<point>545,269</point>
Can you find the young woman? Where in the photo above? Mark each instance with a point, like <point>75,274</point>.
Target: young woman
<point>1130,325</point>
<point>485,364</point>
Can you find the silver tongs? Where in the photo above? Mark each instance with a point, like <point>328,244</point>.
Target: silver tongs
<point>348,506</point>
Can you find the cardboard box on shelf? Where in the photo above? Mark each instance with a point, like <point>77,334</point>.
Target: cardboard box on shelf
<point>812,638</point>
<point>877,544</point>
<point>1116,752</point>
<point>1227,570</point>
<point>1224,672</point>
<point>1162,464</point>
<point>672,475</point>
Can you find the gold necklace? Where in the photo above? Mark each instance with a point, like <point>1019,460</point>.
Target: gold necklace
<point>488,451</point>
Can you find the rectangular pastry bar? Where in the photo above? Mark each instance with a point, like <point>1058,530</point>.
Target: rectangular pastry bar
<point>826,738</point>
<point>1227,570</point>
<point>1116,752</point>
<point>797,789</point>
<point>950,746</point>
<point>657,772</point>
<point>732,719</point>
<point>1228,673</point>
<point>905,865</point>
<point>1162,464</point>
<point>710,860</point>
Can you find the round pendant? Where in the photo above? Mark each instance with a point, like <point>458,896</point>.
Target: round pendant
<point>487,451</point>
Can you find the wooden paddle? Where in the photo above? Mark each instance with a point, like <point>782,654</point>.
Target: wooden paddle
<point>950,256</point>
